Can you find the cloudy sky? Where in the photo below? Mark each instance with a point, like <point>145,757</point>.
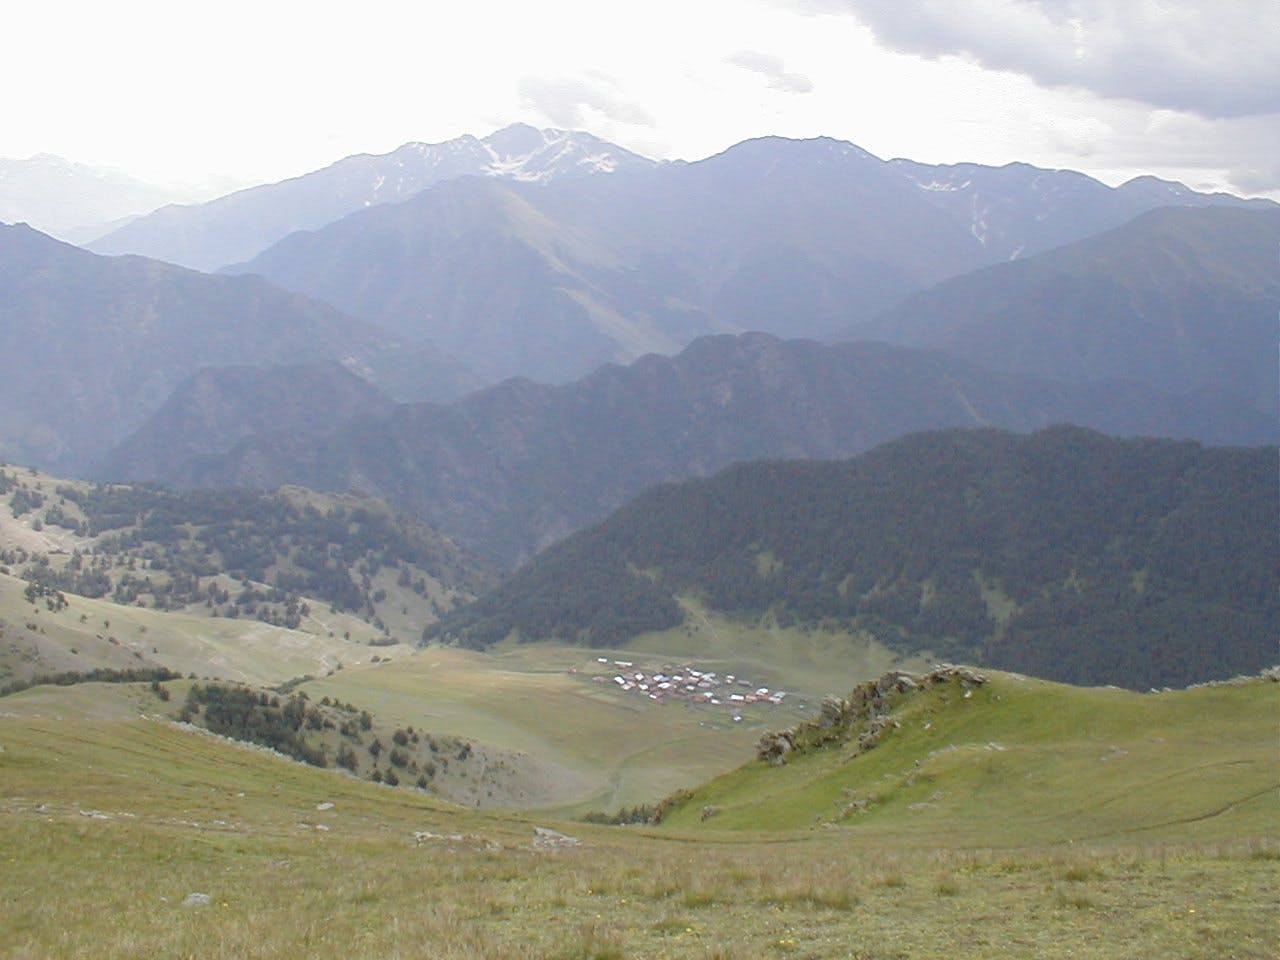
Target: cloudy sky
<point>257,90</point>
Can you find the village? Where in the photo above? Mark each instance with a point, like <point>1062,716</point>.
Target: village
<point>685,683</point>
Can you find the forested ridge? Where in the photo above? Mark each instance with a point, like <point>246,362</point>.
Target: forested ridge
<point>151,546</point>
<point>1065,553</point>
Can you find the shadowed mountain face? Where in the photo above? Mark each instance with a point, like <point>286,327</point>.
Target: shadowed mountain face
<point>1065,554</point>
<point>215,408</point>
<point>240,225</point>
<point>1181,299</point>
<point>90,345</point>
<point>795,238</point>
<point>515,467</point>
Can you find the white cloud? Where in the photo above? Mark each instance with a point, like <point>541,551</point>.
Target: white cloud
<point>772,69</point>
<point>1217,58</point>
<point>569,102</point>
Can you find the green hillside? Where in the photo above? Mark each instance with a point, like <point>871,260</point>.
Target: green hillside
<point>956,752</point>
<point>88,634</point>
<point>1064,554</point>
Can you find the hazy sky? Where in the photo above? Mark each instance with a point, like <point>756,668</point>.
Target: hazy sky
<point>259,90</point>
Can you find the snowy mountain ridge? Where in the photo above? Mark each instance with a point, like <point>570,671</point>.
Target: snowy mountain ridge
<point>238,226</point>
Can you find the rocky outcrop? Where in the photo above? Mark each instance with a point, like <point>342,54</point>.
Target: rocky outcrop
<point>864,717</point>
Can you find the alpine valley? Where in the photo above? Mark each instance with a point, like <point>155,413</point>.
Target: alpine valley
<point>516,546</point>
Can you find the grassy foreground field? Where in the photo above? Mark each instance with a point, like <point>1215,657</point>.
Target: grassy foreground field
<point>108,825</point>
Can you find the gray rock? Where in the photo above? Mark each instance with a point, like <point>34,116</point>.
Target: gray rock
<point>545,838</point>
<point>197,900</point>
<point>832,712</point>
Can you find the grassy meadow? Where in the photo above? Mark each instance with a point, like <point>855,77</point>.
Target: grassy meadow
<point>599,749</point>
<point>109,821</point>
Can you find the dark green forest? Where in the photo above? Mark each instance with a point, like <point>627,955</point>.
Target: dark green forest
<point>1066,554</point>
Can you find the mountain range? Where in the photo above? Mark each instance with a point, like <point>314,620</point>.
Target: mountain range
<point>512,468</point>
<point>1017,210</point>
<point>796,238</point>
<point>549,281</point>
<point>239,225</point>
<point>564,255</point>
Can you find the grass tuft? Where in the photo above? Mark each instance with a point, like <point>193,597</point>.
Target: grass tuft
<point>595,944</point>
<point>948,886</point>
<point>1075,899</point>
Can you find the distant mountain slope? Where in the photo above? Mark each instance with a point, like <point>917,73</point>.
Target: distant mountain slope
<point>791,237</point>
<point>1064,554</point>
<point>1181,299</point>
<point>72,201</point>
<point>515,467</point>
<point>90,345</point>
<point>240,225</point>
<point>216,407</point>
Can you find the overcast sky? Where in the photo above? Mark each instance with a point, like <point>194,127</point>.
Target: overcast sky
<point>259,90</point>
